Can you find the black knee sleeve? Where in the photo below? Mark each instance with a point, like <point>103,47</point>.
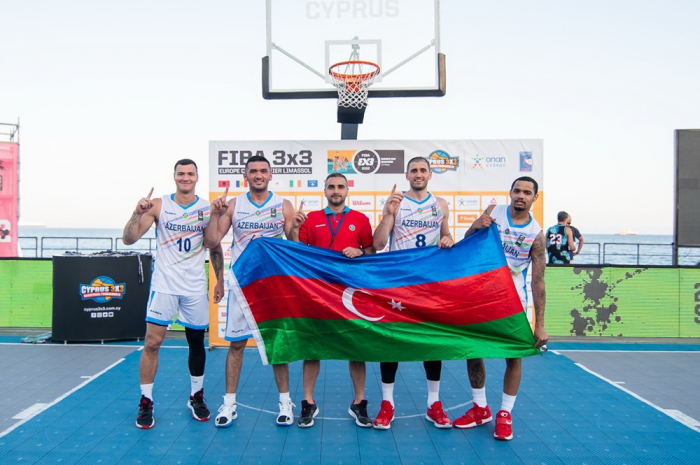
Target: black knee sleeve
<point>388,371</point>
<point>198,355</point>
<point>433,370</point>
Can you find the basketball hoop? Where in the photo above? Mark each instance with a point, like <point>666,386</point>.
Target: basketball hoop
<point>352,79</point>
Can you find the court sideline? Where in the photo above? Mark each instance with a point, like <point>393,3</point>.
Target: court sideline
<point>578,403</point>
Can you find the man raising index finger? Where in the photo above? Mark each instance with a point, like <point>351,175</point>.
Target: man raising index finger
<point>412,220</point>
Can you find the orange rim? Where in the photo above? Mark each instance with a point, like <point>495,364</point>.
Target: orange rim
<point>353,78</point>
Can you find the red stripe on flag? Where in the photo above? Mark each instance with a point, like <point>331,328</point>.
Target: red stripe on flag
<point>474,299</point>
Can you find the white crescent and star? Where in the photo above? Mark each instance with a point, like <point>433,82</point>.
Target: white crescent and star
<point>347,302</point>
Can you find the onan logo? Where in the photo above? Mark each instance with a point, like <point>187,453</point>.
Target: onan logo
<point>102,289</point>
<point>488,162</point>
<point>495,162</point>
<point>441,161</point>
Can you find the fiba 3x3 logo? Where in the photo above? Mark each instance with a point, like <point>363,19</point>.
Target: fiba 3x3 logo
<point>365,161</point>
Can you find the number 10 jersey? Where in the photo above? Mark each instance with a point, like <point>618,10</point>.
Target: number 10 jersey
<point>180,251</point>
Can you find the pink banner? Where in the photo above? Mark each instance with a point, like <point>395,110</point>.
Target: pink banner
<point>9,193</point>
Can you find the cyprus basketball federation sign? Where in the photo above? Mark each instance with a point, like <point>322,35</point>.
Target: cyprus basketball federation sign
<point>469,174</point>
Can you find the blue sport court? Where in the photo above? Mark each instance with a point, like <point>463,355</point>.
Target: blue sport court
<point>579,403</point>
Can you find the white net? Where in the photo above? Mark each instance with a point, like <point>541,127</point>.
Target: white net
<point>352,79</point>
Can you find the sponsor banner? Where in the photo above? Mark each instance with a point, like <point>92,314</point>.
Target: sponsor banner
<point>361,202</point>
<point>469,174</point>
<point>466,218</point>
<point>468,202</point>
<point>487,200</point>
<point>9,196</point>
<point>100,297</point>
<point>102,289</point>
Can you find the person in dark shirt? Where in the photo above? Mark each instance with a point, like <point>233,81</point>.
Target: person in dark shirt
<point>560,241</point>
<point>578,239</point>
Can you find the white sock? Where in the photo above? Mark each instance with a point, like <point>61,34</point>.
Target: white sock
<point>388,392</point>
<point>147,390</point>
<point>284,397</point>
<point>230,399</point>
<point>507,402</point>
<point>196,384</point>
<point>433,392</point>
<point>479,396</point>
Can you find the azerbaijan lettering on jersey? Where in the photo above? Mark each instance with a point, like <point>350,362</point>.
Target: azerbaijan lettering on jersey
<point>183,227</point>
<point>252,225</point>
<point>510,250</point>
<point>420,224</point>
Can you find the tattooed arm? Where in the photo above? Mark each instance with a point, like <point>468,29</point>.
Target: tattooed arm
<point>539,260</point>
<point>216,260</point>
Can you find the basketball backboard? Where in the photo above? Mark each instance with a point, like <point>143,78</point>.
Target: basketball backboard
<point>306,37</point>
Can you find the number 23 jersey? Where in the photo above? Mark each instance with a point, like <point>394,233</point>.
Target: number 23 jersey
<point>180,251</point>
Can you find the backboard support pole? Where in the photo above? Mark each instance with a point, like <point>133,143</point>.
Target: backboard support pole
<point>348,131</point>
<point>350,118</point>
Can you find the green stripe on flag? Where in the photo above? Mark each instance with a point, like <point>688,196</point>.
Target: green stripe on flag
<point>292,339</point>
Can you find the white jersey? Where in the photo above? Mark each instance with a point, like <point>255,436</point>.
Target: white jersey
<point>517,240</point>
<point>180,251</point>
<point>417,224</point>
<point>252,220</point>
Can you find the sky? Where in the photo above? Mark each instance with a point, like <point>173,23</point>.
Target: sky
<point>110,93</point>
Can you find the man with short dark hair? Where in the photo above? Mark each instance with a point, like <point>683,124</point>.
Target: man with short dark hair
<point>578,239</point>
<point>411,220</point>
<point>560,241</point>
<point>349,232</point>
<point>179,284</point>
<point>523,245</point>
<point>257,213</point>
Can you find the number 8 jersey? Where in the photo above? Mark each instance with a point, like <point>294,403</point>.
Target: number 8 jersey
<point>417,224</point>
<point>180,251</point>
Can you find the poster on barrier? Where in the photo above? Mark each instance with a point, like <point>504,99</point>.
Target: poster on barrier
<point>9,195</point>
<point>469,174</point>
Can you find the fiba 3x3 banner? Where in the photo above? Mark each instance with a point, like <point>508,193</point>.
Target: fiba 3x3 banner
<point>469,174</point>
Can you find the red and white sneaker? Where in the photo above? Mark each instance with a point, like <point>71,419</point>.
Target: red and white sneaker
<point>504,428</point>
<point>385,416</point>
<point>438,416</point>
<point>475,416</point>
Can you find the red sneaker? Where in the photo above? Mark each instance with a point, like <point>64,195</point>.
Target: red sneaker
<point>504,428</point>
<point>385,416</point>
<point>475,416</point>
<point>438,416</point>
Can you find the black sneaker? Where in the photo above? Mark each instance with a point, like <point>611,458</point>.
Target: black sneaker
<point>359,413</point>
<point>308,413</point>
<point>200,411</point>
<point>145,419</point>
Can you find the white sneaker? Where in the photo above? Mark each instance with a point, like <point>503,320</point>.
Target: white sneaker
<point>227,413</point>
<point>286,415</point>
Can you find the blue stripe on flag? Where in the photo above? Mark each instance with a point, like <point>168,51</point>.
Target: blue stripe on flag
<point>479,253</point>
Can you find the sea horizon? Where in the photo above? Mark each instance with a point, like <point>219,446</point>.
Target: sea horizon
<point>34,229</point>
<point>612,248</point>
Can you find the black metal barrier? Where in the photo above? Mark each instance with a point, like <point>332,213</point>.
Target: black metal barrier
<point>100,296</point>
